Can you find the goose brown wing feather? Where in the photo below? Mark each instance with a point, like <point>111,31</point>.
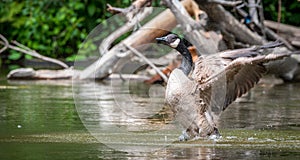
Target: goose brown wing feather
<point>242,81</point>
<point>240,76</point>
<point>248,52</point>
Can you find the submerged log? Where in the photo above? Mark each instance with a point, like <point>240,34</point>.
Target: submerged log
<point>29,73</point>
<point>65,74</point>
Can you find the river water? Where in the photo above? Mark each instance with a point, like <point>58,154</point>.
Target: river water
<point>129,120</point>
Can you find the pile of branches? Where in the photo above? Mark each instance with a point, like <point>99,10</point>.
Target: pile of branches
<point>206,24</point>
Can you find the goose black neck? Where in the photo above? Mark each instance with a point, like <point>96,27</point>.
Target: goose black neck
<point>187,61</point>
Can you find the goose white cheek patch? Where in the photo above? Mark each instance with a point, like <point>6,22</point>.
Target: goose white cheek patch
<point>175,43</point>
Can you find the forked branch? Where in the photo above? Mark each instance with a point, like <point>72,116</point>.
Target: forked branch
<point>23,49</point>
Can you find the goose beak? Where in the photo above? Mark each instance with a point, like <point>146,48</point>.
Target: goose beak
<point>162,40</point>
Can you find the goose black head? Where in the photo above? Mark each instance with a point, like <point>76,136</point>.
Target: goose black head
<point>171,40</point>
<point>177,43</point>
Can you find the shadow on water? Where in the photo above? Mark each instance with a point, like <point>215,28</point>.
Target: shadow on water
<point>39,120</point>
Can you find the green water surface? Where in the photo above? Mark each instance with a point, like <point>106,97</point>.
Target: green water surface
<point>39,120</point>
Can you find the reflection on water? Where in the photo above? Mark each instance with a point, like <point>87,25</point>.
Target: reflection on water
<point>40,117</point>
<point>127,116</point>
<point>36,108</point>
<point>271,108</point>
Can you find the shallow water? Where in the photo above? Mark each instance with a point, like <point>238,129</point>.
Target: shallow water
<point>128,120</point>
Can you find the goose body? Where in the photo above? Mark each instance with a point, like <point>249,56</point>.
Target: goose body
<point>198,96</point>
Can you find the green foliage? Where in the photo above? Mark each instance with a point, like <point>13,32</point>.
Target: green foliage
<point>289,11</point>
<point>13,66</point>
<point>14,55</point>
<point>52,28</point>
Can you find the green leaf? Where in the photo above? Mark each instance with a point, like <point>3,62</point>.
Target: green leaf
<point>91,9</point>
<point>75,57</point>
<point>46,27</point>
<point>28,56</point>
<point>13,66</point>
<point>19,22</point>
<point>73,19</point>
<point>14,56</point>
<point>78,6</point>
<point>56,30</point>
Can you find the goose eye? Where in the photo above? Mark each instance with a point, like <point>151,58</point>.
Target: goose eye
<point>174,39</point>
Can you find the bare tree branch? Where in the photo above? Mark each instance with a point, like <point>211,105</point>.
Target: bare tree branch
<point>106,43</point>
<point>130,11</point>
<point>23,49</point>
<point>191,28</point>
<point>164,77</point>
<point>6,44</point>
<point>115,10</point>
<point>275,36</point>
<point>261,17</point>
<point>253,11</point>
<point>226,3</point>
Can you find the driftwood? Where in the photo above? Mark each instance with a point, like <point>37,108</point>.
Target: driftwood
<point>131,10</point>
<point>106,43</point>
<point>104,66</point>
<point>225,3</point>
<point>29,73</point>
<point>205,39</point>
<point>4,43</point>
<point>192,29</point>
<point>272,35</point>
<point>156,27</point>
<point>65,74</point>
<point>282,28</point>
<point>226,21</point>
<point>252,11</point>
<point>290,33</point>
<point>230,27</point>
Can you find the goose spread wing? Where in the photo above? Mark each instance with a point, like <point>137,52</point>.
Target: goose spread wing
<point>234,79</point>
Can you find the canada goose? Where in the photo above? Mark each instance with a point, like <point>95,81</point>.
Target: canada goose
<point>198,94</point>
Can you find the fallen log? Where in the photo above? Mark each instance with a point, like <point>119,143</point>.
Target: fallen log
<point>226,21</point>
<point>287,33</point>
<point>64,74</point>
<point>282,28</point>
<point>29,73</point>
